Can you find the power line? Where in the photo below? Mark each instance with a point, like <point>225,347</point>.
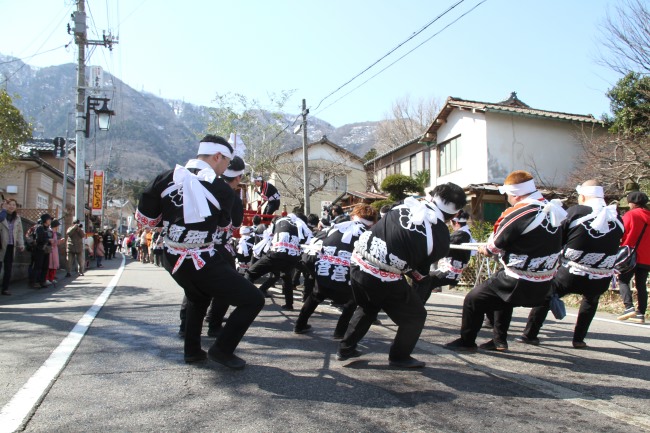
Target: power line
<point>37,54</point>
<point>406,54</point>
<point>391,51</point>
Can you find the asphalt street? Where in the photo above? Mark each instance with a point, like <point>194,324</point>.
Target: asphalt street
<point>101,353</point>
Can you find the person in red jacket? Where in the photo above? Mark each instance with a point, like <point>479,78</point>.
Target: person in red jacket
<point>635,220</point>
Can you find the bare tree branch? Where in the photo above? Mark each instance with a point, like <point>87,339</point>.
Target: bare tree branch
<point>625,35</point>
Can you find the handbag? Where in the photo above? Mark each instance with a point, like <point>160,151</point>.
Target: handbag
<point>626,256</point>
<point>557,307</point>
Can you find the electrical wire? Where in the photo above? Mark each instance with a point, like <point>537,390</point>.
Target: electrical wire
<point>34,55</point>
<point>391,51</point>
<point>7,77</point>
<point>406,54</point>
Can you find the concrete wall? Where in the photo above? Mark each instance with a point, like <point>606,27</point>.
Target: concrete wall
<point>494,144</point>
<point>547,148</point>
<point>471,129</point>
<point>320,153</point>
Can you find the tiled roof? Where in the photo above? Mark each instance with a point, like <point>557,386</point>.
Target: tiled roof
<point>511,105</point>
<point>368,195</point>
<point>44,145</point>
<point>395,149</point>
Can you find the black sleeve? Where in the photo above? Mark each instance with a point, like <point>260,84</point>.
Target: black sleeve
<point>237,212</point>
<point>149,212</point>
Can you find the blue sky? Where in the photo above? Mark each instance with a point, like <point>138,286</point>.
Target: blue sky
<point>546,51</point>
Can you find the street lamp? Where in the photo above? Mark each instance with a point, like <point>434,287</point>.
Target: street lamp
<point>103,114</point>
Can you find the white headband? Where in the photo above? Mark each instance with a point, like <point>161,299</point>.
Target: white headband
<point>460,220</point>
<point>518,189</point>
<point>232,173</point>
<point>363,220</point>
<point>591,191</point>
<point>446,207</point>
<point>209,148</point>
<point>258,178</point>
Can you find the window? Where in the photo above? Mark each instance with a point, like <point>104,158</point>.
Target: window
<point>449,156</point>
<point>338,182</point>
<point>427,159</point>
<point>414,165</point>
<point>42,202</point>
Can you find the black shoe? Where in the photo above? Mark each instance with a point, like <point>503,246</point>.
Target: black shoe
<point>214,332</point>
<point>230,360</point>
<point>525,340</point>
<point>302,329</point>
<point>6,293</point>
<point>197,357</point>
<point>409,362</point>
<point>494,345</point>
<point>579,345</point>
<point>459,345</point>
<point>68,275</point>
<point>287,307</point>
<point>344,356</point>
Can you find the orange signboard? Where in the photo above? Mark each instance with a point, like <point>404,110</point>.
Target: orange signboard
<point>98,192</point>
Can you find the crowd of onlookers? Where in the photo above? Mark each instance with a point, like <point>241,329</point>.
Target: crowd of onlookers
<point>144,245</point>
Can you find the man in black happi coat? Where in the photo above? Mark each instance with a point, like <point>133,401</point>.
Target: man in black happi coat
<point>590,238</point>
<point>193,207</point>
<point>404,242</point>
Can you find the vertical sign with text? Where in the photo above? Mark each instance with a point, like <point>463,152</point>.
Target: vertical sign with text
<point>98,192</point>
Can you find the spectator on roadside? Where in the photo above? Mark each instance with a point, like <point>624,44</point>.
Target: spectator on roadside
<point>11,238</point>
<point>89,246</point>
<point>53,264</point>
<point>99,251</point>
<point>109,242</point>
<point>41,251</point>
<point>636,222</point>
<point>75,248</point>
<point>157,242</point>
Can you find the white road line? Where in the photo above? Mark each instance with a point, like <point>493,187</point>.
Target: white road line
<point>24,403</point>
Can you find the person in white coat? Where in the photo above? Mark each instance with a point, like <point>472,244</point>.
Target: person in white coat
<point>11,239</point>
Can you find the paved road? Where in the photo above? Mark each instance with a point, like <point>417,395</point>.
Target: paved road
<point>127,371</point>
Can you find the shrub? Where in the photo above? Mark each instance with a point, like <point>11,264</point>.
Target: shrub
<point>398,186</point>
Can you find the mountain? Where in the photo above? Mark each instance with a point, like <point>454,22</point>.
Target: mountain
<point>148,134</point>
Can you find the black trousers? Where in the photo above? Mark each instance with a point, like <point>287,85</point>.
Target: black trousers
<point>217,279</point>
<point>499,294</point>
<point>218,309</point>
<point>271,206</point>
<point>640,274</point>
<point>41,262</point>
<point>308,275</point>
<point>563,284</point>
<point>425,288</point>
<point>339,296</point>
<point>266,264</point>
<point>8,265</point>
<point>398,300</point>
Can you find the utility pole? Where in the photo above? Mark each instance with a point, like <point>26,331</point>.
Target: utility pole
<point>80,37</point>
<point>305,171</point>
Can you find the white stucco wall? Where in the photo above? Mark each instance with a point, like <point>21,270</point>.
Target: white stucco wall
<point>546,148</point>
<point>356,176</point>
<point>471,128</point>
